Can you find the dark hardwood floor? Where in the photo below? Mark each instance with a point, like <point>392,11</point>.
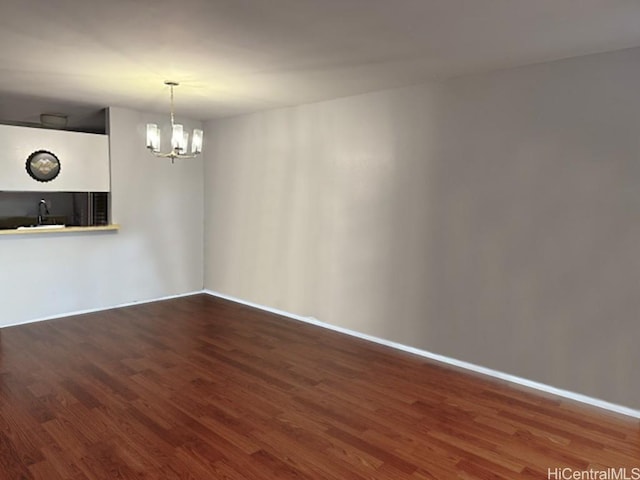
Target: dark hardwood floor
<point>202,388</point>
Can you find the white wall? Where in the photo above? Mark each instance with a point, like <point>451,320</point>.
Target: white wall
<point>307,208</point>
<point>157,252</point>
<point>493,219</point>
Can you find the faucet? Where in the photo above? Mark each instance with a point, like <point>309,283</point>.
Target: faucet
<point>43,211</point>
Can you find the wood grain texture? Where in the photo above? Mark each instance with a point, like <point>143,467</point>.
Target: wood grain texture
<point>203,388</point>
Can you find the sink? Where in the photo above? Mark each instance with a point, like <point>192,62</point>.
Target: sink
<point>41,227</point>
<point>12,223</point>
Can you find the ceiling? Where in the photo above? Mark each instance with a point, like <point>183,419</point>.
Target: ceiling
<point>239,56</point>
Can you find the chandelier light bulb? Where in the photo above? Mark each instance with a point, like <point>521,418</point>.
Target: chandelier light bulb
<point>177,137</point>
<point>153,137</point>
<point>196,141</point>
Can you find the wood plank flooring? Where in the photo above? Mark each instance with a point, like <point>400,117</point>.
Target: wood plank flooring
<point>202,388</point>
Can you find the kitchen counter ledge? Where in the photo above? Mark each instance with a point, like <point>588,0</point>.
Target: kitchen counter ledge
<point>101,228</point>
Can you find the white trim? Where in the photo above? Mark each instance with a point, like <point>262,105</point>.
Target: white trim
<point>102,309</point>
<point>578,397</point>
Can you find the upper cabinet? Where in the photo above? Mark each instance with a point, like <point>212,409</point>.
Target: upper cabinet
<point>37,159</point>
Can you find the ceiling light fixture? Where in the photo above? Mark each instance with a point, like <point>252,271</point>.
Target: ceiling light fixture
<point>53,120</point>
<point>179,138</point>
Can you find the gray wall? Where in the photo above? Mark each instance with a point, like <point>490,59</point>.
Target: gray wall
<point>158,251</point>
<point>493,218</point>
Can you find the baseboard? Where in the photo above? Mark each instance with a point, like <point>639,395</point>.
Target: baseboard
<point>101,309</point>
<point>578,397</point>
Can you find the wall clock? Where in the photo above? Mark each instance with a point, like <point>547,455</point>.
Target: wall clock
<point>43,166</point>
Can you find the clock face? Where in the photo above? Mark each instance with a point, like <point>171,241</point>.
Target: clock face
<point>43,166</point>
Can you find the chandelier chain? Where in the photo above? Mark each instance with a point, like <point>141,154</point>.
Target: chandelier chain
<point>172,115</point>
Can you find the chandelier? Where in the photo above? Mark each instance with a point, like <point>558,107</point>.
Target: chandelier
<point>179,138</point>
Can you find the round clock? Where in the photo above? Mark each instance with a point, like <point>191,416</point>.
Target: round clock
<point>43,166</point>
